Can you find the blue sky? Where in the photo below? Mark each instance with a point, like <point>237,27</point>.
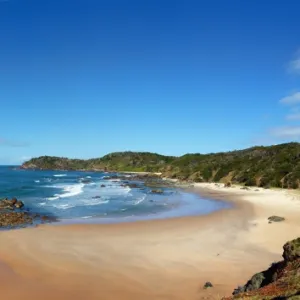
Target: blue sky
<point>82,78</point>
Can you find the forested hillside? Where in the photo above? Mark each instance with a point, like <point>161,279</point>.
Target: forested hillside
<point>276,166</point>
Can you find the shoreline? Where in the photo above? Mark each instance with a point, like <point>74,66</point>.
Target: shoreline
<point>155,259</point>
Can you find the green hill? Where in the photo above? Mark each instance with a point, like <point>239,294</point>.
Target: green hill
<point>276,166</point>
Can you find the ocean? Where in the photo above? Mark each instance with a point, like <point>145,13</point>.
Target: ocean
<point>85,197</point>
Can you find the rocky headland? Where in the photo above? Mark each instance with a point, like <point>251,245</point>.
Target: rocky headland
<point>280,281</point>
<point>272,166</point>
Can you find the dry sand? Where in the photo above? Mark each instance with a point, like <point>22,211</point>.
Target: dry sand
<point>161,259</point>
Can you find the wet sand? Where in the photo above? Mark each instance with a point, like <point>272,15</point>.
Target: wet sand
<point>157,259</point>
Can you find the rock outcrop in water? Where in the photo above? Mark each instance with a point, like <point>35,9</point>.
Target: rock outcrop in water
<point>10,204</point>
<point>12,215</point>
<point>277,166</point>
<point>280,281</point>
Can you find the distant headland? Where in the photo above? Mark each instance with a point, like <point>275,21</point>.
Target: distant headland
<point>271,166</point>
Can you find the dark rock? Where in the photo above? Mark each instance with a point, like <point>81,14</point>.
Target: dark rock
<point>102,185</point>
<point>245,188</point>
<point>291,250</point>
<point>255,282</point>
<point>111,177</point>
<point>207,285</point>
<point>19,204</point>
<point>227,184</point>
<point>132,185</point>
<point>158,191</point>
<point>96,197</point>
<point>276,219</point>
<point>14,219</point>
<point>151,201</point>
<point>260,280</point>
<point>86,181</point>
<point>238,290</point>
<point>14,201</point>
<point>7,204</point>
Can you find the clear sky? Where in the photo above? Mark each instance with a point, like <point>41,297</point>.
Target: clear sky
<point>81,78</point>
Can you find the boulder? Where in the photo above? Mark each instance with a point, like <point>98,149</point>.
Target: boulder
<point>245,188</point>
<point>132,185</point>
<point>207,285</point>
<point>14,201</point>
<point>7,204</point>
<point>19,204</point>
<point>276,219</point>
<point>291,250</point>
<point>158,191</point>
<point>227,184</point>
<point>102,185</point>
<point>86,181</point>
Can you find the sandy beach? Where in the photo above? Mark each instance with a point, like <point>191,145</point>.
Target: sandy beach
<point>158,259</point>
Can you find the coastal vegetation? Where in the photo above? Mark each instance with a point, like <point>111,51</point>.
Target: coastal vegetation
<point>272,166</point>
<point>280,281</point>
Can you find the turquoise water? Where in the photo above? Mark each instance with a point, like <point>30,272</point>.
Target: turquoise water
<point>78,196</point>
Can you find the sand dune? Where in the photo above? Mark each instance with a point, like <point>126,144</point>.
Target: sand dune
<point>161,259</point>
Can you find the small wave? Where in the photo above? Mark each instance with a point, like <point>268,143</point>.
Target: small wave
<point>86,217</point>
<point>79,204</point>
<point>139,200</point>
<point>88,177</point>
<point>64,206</point>
<point>93,202</point>
<point>55,197</point>
<point>37,181</point>
<point>48,180</point>
<point>68,191</point>
<point>60,175</point>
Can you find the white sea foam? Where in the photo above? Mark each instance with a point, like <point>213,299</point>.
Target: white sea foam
<point>139,200</point>
<point>68,190</point>
<point>64,206</point>
<point>55,197</point>
<point>60,175</point>
<point>72,190</point>
<point>37,181</point>
<point>92,202</point>
<point>86,202</point>
<point>88,177</point>
<point>114,190</point>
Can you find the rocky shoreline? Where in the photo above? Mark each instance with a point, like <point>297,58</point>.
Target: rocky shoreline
<point>280,281</point>
<point>150,180</point>
<point>13,214</point>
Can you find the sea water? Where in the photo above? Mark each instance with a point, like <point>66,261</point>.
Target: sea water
<point>78,196</point>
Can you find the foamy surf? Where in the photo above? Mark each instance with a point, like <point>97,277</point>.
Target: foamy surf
<point>139,200</point>
<point>60,175</point>
<point>79,203</point>
<point>68,191</point>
